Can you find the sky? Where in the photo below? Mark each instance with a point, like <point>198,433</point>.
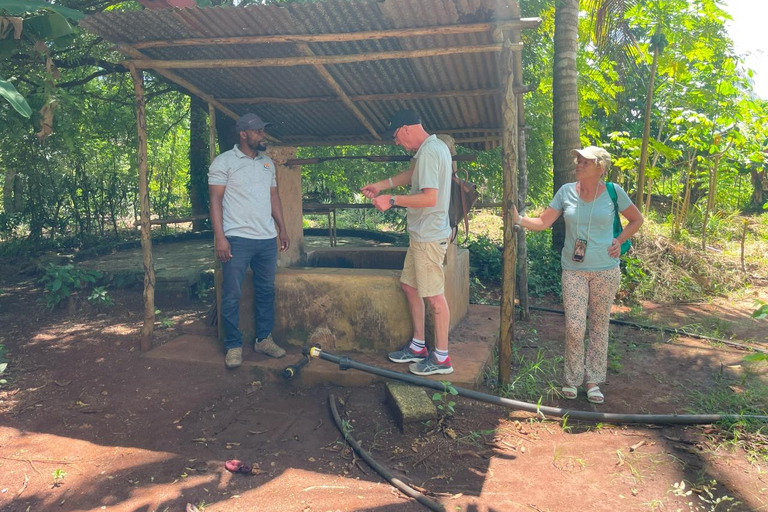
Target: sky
<point>748,32</point>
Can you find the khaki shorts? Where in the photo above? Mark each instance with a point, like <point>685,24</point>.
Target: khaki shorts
<point>423,268</point>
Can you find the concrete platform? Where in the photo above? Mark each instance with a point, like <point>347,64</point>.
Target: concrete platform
<point>471,345</point>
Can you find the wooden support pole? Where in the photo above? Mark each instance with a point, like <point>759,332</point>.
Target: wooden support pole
<point>522,246</point>
<point>509,258</point>
<point>211,131</point>
<point>146,232</point>
<point>323,60</point>
<point>521,287</point>
<point>513,24</point>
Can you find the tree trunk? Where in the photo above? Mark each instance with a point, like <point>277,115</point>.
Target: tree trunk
<point>712,195</point>
<point>646,129</point>
<point>198,163</point>
<point>225,130</point>
<point>8,189</point>
<point>758,179</point>
<point>565,102</point>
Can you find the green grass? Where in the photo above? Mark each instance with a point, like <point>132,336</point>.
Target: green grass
<point>746,396</point>
<point>713,327</point>
<point>533,380</point>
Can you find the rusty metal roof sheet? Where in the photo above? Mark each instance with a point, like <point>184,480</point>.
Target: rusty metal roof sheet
<point>332,71</point>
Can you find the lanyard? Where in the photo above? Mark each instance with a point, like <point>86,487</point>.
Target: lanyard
<point>578,218</point>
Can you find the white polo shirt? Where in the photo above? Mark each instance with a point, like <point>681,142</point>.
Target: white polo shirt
<point>247,199</point>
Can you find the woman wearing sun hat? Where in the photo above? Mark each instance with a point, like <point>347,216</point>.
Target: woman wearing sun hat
<point>590,261</point>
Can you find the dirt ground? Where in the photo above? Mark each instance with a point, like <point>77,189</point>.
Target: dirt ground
<point>126,433</point>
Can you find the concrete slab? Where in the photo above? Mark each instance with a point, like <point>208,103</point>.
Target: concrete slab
<point>471,346</point>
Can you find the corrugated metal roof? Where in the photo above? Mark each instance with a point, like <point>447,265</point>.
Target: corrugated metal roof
<point>458,93</point>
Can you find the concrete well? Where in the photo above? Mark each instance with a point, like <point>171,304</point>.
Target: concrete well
<point>355,292</point>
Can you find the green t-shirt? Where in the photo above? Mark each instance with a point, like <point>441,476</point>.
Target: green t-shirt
<point>591,221</point>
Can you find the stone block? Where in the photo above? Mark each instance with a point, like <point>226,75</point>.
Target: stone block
<point>410,405</point>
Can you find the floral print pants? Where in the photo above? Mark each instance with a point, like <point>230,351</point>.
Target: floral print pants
<point>588,294</point>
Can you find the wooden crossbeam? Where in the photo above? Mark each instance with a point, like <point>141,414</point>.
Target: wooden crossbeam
<point>378,97</point>
<point>522,23</point>
<point>340,141</point>
<point>333,84</point>
<point>370,158</point>
<point>320,59</point>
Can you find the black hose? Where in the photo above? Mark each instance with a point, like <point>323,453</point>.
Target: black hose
<point>668,330</point>
<point>389,477</point>
<point>291,371</point>
<point>345,363</point>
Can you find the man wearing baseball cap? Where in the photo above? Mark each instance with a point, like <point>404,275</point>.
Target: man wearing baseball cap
<point>427,213</point>
<point>247,220</point>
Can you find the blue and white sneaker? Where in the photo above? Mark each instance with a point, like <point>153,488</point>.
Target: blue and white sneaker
<point>406,355</point>
<point>430,366</point>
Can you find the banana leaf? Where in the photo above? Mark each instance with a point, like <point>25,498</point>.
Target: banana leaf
<point>17,101</point>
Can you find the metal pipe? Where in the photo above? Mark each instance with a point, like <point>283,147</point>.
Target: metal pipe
<point>346,363</point>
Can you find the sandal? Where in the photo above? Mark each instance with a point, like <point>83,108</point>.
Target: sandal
<point>236,466</point>
<point>595,396</point>
<point>569,392</point>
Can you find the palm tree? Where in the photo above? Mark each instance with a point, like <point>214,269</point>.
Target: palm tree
<point>565,100</point>
<point>610,33</point>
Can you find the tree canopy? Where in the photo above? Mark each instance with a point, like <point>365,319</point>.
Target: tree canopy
<point>68,135</point>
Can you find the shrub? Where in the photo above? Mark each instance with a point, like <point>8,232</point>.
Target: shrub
<point>60,281</point>
<point>484,259</point>
<point>544,268</point>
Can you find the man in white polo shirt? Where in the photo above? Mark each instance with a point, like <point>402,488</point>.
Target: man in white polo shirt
<point>422,278</point>
<point>245,207</point>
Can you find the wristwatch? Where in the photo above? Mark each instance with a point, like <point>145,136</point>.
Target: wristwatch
<point>392,200</point>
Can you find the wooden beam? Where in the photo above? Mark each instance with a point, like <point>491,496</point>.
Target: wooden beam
<point>358,141</point>
<point>146,231</point>
<point>283,101</point>
<point>370,158</point>
<point>175,220</point>
<point>522,23</point>
<point>402,96</point>
<point>303,48</point>
<point>320,59</point>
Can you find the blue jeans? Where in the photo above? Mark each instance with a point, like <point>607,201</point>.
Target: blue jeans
<point>261,256</point>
